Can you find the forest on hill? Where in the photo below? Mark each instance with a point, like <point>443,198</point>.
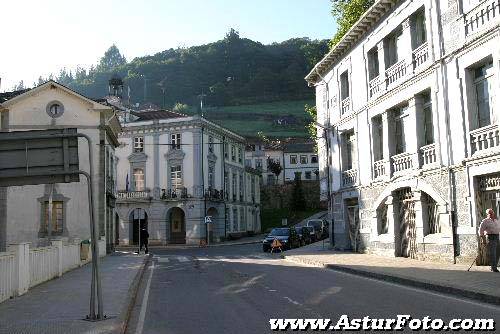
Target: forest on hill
<point>232,71</point>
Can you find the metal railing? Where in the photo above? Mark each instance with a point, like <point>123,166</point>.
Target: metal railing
<point>123,194</point>
<point>379,168</point>
<point>420,55</point>
<point>402,162</point>
<point>481,16</point>
<point>174,193</point>
<point>374,86</point>
<point>214,194</point>
<point>428,154</point>
<point>395,72</point>
<point>484,139</point>
<point>349,177</point>
<point>346,105</point>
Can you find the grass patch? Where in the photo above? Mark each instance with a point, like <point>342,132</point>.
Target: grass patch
<point>271,218</point>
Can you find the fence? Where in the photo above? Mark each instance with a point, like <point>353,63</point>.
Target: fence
<point>22,268</point>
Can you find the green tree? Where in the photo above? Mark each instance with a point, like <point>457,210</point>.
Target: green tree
<point>274,167</point>
<point>346,13</point>
<point>298,199</point>
<point>311,126</point>
<point>180,107</point>
<point>112,58</point>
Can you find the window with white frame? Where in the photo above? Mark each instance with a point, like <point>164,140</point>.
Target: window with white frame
<point>419,34</point>
<point>373,64</point>
<point>392,45</point>
<point>138,144</point>
<point>176,176</point>
<point>349,150</point>
<point>344,85</point>
<point>308,175</point>
<point>400,118</point>
<point>303,159</point>
<point>175,141</point>
<point>378,138</point>
<point>293,159</point>
<point>484,90</point>
<point>428,126</point>
<point>314,159</point>
<point>138,179</point>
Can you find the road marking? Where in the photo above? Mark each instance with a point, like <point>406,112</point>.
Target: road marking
<point>144,306</point>
<point>292,301</point>
<point>182,259</point>
<point>163,259</point>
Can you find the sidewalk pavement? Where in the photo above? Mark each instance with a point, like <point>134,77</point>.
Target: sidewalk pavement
<point>479,283</point>
<point>60,305</point>
<point>242,241</point>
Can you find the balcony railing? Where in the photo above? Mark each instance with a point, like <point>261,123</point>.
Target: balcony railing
<point>481,16</point>
<point>420,55</point>
<point>402,162</point>
<point>214,194</point>
<point>175,193</point>
<point>123,194</point>
<point>395,72</point>
<point>374,86</point>
<point>349,177</point>
<point>484,139</point>
<point>379,169</point>
<point>428,154</point>
<point>346,105</point>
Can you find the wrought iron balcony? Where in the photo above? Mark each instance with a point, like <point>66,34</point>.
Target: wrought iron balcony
<point>174,193</point>
<point>214,194</point>
<point>130,195</point>
<point>349,177</point>
<point>420,55</point>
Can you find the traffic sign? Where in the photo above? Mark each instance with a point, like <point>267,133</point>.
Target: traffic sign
<point>208,219</point>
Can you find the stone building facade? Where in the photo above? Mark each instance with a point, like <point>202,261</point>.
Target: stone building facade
<point>410,159</point>
<point>174,170</point>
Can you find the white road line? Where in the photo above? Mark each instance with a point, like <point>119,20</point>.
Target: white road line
<point>182,259</point>
<point>144,306</point>
<point>163,259</point>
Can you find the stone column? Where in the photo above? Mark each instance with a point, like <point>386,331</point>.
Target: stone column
<point>406,49</point>
<point>381,65</point>
<point>387,142</point>
<point>391,215</point>
<point>414,131</point>
<point>156,161</point>
<point>22,256</point>
<point>420,215</point>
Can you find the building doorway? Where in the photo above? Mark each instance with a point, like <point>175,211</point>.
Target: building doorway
<point>139,219</point>
<point>177,226</point>
<point>406,229</point>
<point>352,209</point>
<point>487,196</point>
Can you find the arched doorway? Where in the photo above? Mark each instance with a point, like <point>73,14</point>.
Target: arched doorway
<point>177,226</point>
<point>214,215</point>
<point>138,219</point>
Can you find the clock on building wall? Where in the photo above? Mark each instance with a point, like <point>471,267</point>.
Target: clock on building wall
<point>55,109</point>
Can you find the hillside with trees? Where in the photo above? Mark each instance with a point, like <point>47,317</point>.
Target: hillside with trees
<point>232,71</point>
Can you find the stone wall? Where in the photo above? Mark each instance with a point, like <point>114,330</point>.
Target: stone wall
<point>280,196</point>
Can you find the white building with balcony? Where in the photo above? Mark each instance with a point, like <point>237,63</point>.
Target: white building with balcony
<point>411,158</point>
<point>174,170</point>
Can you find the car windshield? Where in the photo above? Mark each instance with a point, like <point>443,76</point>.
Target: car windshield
<point>298,229</point>
<point>313,223</point>
<point>310,228</point>
<point>280,232</point>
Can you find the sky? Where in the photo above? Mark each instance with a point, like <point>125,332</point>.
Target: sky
<point>42,37</point>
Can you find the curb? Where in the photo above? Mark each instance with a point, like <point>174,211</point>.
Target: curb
<point>128,248</point>
<point>404,281</point>
<point>126,311</point>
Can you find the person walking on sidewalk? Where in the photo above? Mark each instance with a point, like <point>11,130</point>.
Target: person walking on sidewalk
<point>491,227</point>
<point>144,240</point>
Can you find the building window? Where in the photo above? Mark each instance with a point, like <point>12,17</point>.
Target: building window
<point>175,141</point>
<point>303,159</point>
<point>308,175</point>
<point>138,179</point>
<point>293,159</point>
<point>258,164</point>
<point>314,159</point>
<point>241,187</point>
<point>349,150</point>
<point>176,176</point>
<point>378,138</point>
<point>484,94</point>
<point>233,153</point>
<point>226,185</point>
<point>211,177</point>
<point>298,175</point>
<point>226,148</point>
<point>428,127</point>
<point>139,144</point>
<point>373,64</point>
<point>235,219</point>
<point>248,162</point>
<point>240,155</point>
<point>391,46</point>
<point>419,33</point>
<point>344,86</point>
<point>210,144</point>
<point>400,118</point>
<point>234,186</point>
<point>57,217</point>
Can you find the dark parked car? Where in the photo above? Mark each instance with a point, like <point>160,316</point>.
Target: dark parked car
<point>320,226</point>
<point>313,233</point>
<point>286,235</point>
<point>304,235</point>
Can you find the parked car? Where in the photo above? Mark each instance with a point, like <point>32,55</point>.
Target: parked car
<point>313,233</point>
<point>286,235</point>
<point>304,235</point>
<point>318,226</point>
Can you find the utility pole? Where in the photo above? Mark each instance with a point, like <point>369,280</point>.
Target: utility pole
<point>201,97</point>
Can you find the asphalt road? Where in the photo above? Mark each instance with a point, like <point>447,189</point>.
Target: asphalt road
<point>237,289</point>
